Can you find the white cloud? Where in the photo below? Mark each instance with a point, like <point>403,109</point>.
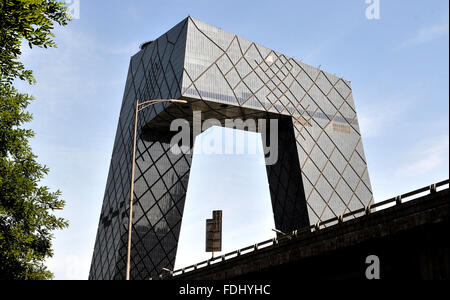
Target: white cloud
<point>379,115</point>
<point>70,267</point>
<point>427,157</point>
<point>71,139</point>
<point>428,34</point>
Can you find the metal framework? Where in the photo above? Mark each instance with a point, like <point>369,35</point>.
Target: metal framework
<point>316,227</point>
<point>321,171</point>
<point>139,107</point>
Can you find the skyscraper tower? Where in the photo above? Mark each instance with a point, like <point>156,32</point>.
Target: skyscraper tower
<point>320,172</point>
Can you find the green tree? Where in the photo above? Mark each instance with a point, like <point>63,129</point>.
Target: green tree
<point>27,209</point>
<point>26,20</point>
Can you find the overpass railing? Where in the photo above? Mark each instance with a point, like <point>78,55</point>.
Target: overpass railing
<point>316,227</point>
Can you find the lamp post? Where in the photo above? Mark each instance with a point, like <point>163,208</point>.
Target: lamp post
<point>139,107</point>
<point>282,233</point>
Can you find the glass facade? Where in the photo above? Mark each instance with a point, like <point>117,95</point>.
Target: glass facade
<point>320,173</point>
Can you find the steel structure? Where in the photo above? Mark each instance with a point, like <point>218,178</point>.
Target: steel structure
<point>320,172</point>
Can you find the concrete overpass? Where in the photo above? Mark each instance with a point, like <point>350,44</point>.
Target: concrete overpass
<point>410,238</point>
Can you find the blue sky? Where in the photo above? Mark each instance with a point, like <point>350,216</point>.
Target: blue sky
<point>235,184</point>
<point>398,66</point>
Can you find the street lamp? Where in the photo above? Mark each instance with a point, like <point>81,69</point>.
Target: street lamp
<point>282,233</point>
<point>139,107</point>
<point>168,271</point>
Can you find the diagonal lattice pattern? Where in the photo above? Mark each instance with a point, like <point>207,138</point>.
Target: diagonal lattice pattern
<point>161,177</point>
<point>330,154</point>
<point>321,170</point>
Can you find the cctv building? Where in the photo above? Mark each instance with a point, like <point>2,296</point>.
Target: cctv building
<point>320,172</point>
